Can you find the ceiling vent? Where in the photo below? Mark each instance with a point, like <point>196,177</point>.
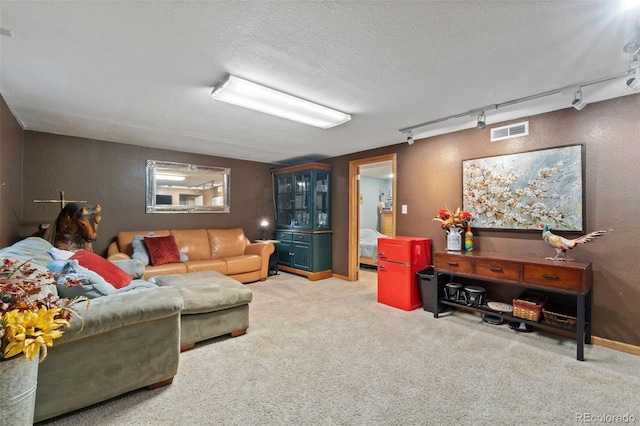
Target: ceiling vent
<point>510,131</point>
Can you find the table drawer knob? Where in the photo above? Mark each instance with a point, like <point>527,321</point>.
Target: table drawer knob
<point>495,269</point>
<point>550,276</point>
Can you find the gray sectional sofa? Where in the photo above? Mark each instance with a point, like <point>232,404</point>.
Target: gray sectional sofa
<point>132,338</point>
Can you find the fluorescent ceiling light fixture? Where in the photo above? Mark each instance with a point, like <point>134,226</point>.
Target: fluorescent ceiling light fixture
<point>170,177</point>
<point>244,93</point>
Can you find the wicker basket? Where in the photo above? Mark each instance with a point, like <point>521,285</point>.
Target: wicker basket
<point>560,315</point>
<point>529,305</point>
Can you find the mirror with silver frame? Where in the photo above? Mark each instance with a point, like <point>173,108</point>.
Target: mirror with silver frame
<point>187,188</point>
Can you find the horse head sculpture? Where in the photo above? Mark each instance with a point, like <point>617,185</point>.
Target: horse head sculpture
<point>75,227</point>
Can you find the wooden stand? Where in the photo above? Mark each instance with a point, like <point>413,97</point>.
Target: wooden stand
<point>562,277</point>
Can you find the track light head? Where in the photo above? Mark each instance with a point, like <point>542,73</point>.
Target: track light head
<point>410,137</point>
<point>482,121</point>
<point>634,79</point>
<point>578,103</point>
<point>632,47</point>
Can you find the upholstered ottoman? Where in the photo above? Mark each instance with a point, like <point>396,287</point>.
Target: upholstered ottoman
<point>214,305</point>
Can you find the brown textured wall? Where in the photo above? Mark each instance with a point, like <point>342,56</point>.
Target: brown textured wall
<point>11,142</point>
<point>430,176</point>
<point>113,175</point>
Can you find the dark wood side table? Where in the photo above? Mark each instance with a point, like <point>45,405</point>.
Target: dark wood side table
<point>273,258</point>
<point>570,278</point>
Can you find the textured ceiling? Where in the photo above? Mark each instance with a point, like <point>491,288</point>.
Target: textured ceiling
<point>142,72</point>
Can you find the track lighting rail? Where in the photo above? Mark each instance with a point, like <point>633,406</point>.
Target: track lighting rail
<point>476,111</point>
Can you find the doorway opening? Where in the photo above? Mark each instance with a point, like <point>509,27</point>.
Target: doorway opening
<point>372,168</point>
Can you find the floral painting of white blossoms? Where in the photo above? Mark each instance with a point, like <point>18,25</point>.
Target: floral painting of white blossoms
<point>522,191</point>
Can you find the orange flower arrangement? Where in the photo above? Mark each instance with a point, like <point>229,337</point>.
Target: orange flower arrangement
<point>459,219</point>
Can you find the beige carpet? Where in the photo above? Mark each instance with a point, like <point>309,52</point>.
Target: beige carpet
<point>326,353</point>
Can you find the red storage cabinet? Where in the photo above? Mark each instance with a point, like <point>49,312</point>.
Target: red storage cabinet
<point>399,261</point>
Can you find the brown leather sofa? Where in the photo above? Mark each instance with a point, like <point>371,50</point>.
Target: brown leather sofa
<point>227,251</point>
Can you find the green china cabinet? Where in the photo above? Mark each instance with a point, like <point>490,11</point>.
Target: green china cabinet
<point>303,219</point>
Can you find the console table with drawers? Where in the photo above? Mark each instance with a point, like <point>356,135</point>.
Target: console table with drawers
<point>569,278</point>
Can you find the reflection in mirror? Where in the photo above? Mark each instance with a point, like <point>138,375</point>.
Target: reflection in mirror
<point>187,188</point>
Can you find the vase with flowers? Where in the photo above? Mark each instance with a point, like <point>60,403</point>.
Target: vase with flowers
<point>31,318</point>
<point>454,225</point>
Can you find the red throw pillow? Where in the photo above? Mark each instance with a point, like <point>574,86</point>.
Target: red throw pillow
<point>162,250</point>
<point>101,266</point>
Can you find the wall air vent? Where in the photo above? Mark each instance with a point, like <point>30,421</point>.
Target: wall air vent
<point>510,131</point>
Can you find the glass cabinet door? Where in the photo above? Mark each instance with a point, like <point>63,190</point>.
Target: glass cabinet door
<point>322,208</point>
<point>285,200</point>
<point>302,205</point>
<point>303,198</point>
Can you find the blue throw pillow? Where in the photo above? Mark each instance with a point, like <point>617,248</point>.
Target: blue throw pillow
<point>140,250</point>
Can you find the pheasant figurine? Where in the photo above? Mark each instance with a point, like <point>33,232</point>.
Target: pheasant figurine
<point>563,244</point>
